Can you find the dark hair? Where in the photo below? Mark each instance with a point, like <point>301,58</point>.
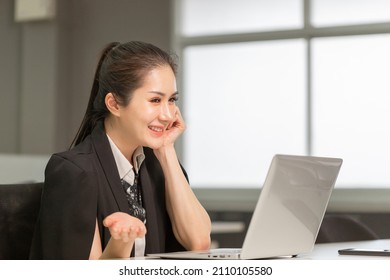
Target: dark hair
<point>121,70</point>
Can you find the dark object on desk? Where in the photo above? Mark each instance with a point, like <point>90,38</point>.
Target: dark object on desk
<point>19,207</point>
<point>342,228</point>
<point>365,252</point>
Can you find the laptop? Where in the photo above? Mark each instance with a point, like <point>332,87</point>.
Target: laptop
<point>288,213</point>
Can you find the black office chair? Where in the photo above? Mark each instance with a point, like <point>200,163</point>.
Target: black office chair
<point>19,207</point>
<point>342,228</point>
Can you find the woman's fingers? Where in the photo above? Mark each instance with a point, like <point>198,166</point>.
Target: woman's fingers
<point>124,227</point>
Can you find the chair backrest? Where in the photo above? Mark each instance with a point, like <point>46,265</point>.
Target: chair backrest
<point>19,208</point>
<point>342,228</point>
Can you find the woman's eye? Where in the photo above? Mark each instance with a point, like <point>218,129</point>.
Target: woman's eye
<point>155,100</point>
<point>173,99</point>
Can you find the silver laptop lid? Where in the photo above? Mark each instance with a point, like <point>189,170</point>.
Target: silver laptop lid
<point>292,204</point>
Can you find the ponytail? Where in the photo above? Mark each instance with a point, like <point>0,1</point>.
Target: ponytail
<point>93,114</point>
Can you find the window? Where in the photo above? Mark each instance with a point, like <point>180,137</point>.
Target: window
<point>233,105</point>
<point>299,77</point>
<point>345,12</point>
<point>351,105</point>
<point>205,17</point>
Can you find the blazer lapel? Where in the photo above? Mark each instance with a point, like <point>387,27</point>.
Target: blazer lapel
<point>107,161</point>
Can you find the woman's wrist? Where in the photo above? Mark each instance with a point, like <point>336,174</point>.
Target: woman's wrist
<point>117,249</point>
<point>165,152</point>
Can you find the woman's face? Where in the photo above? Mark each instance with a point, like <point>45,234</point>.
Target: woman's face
<point>151,110</point>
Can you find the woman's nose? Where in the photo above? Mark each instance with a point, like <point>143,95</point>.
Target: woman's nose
<point>167,112</point>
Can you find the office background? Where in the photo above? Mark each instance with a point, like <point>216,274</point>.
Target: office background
<point>47,67</point>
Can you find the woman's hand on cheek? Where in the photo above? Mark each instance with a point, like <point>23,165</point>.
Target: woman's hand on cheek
<point>124,227</point>
<point>175,128</point>
<point>173,131</point>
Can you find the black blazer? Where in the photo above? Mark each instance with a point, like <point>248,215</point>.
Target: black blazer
<point>83,184</point>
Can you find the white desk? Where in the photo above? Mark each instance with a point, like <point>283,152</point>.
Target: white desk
<point>323,262</point>
<point>329,251</point>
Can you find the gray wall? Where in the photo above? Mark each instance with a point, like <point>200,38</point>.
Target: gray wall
<point>47,67</point>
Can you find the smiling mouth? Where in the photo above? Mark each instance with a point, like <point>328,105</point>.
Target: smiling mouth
<point>156,129</point>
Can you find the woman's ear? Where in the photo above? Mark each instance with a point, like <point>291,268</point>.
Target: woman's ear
<point>112,104</point>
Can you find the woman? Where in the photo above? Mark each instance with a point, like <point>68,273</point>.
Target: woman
<point>121,191</point>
